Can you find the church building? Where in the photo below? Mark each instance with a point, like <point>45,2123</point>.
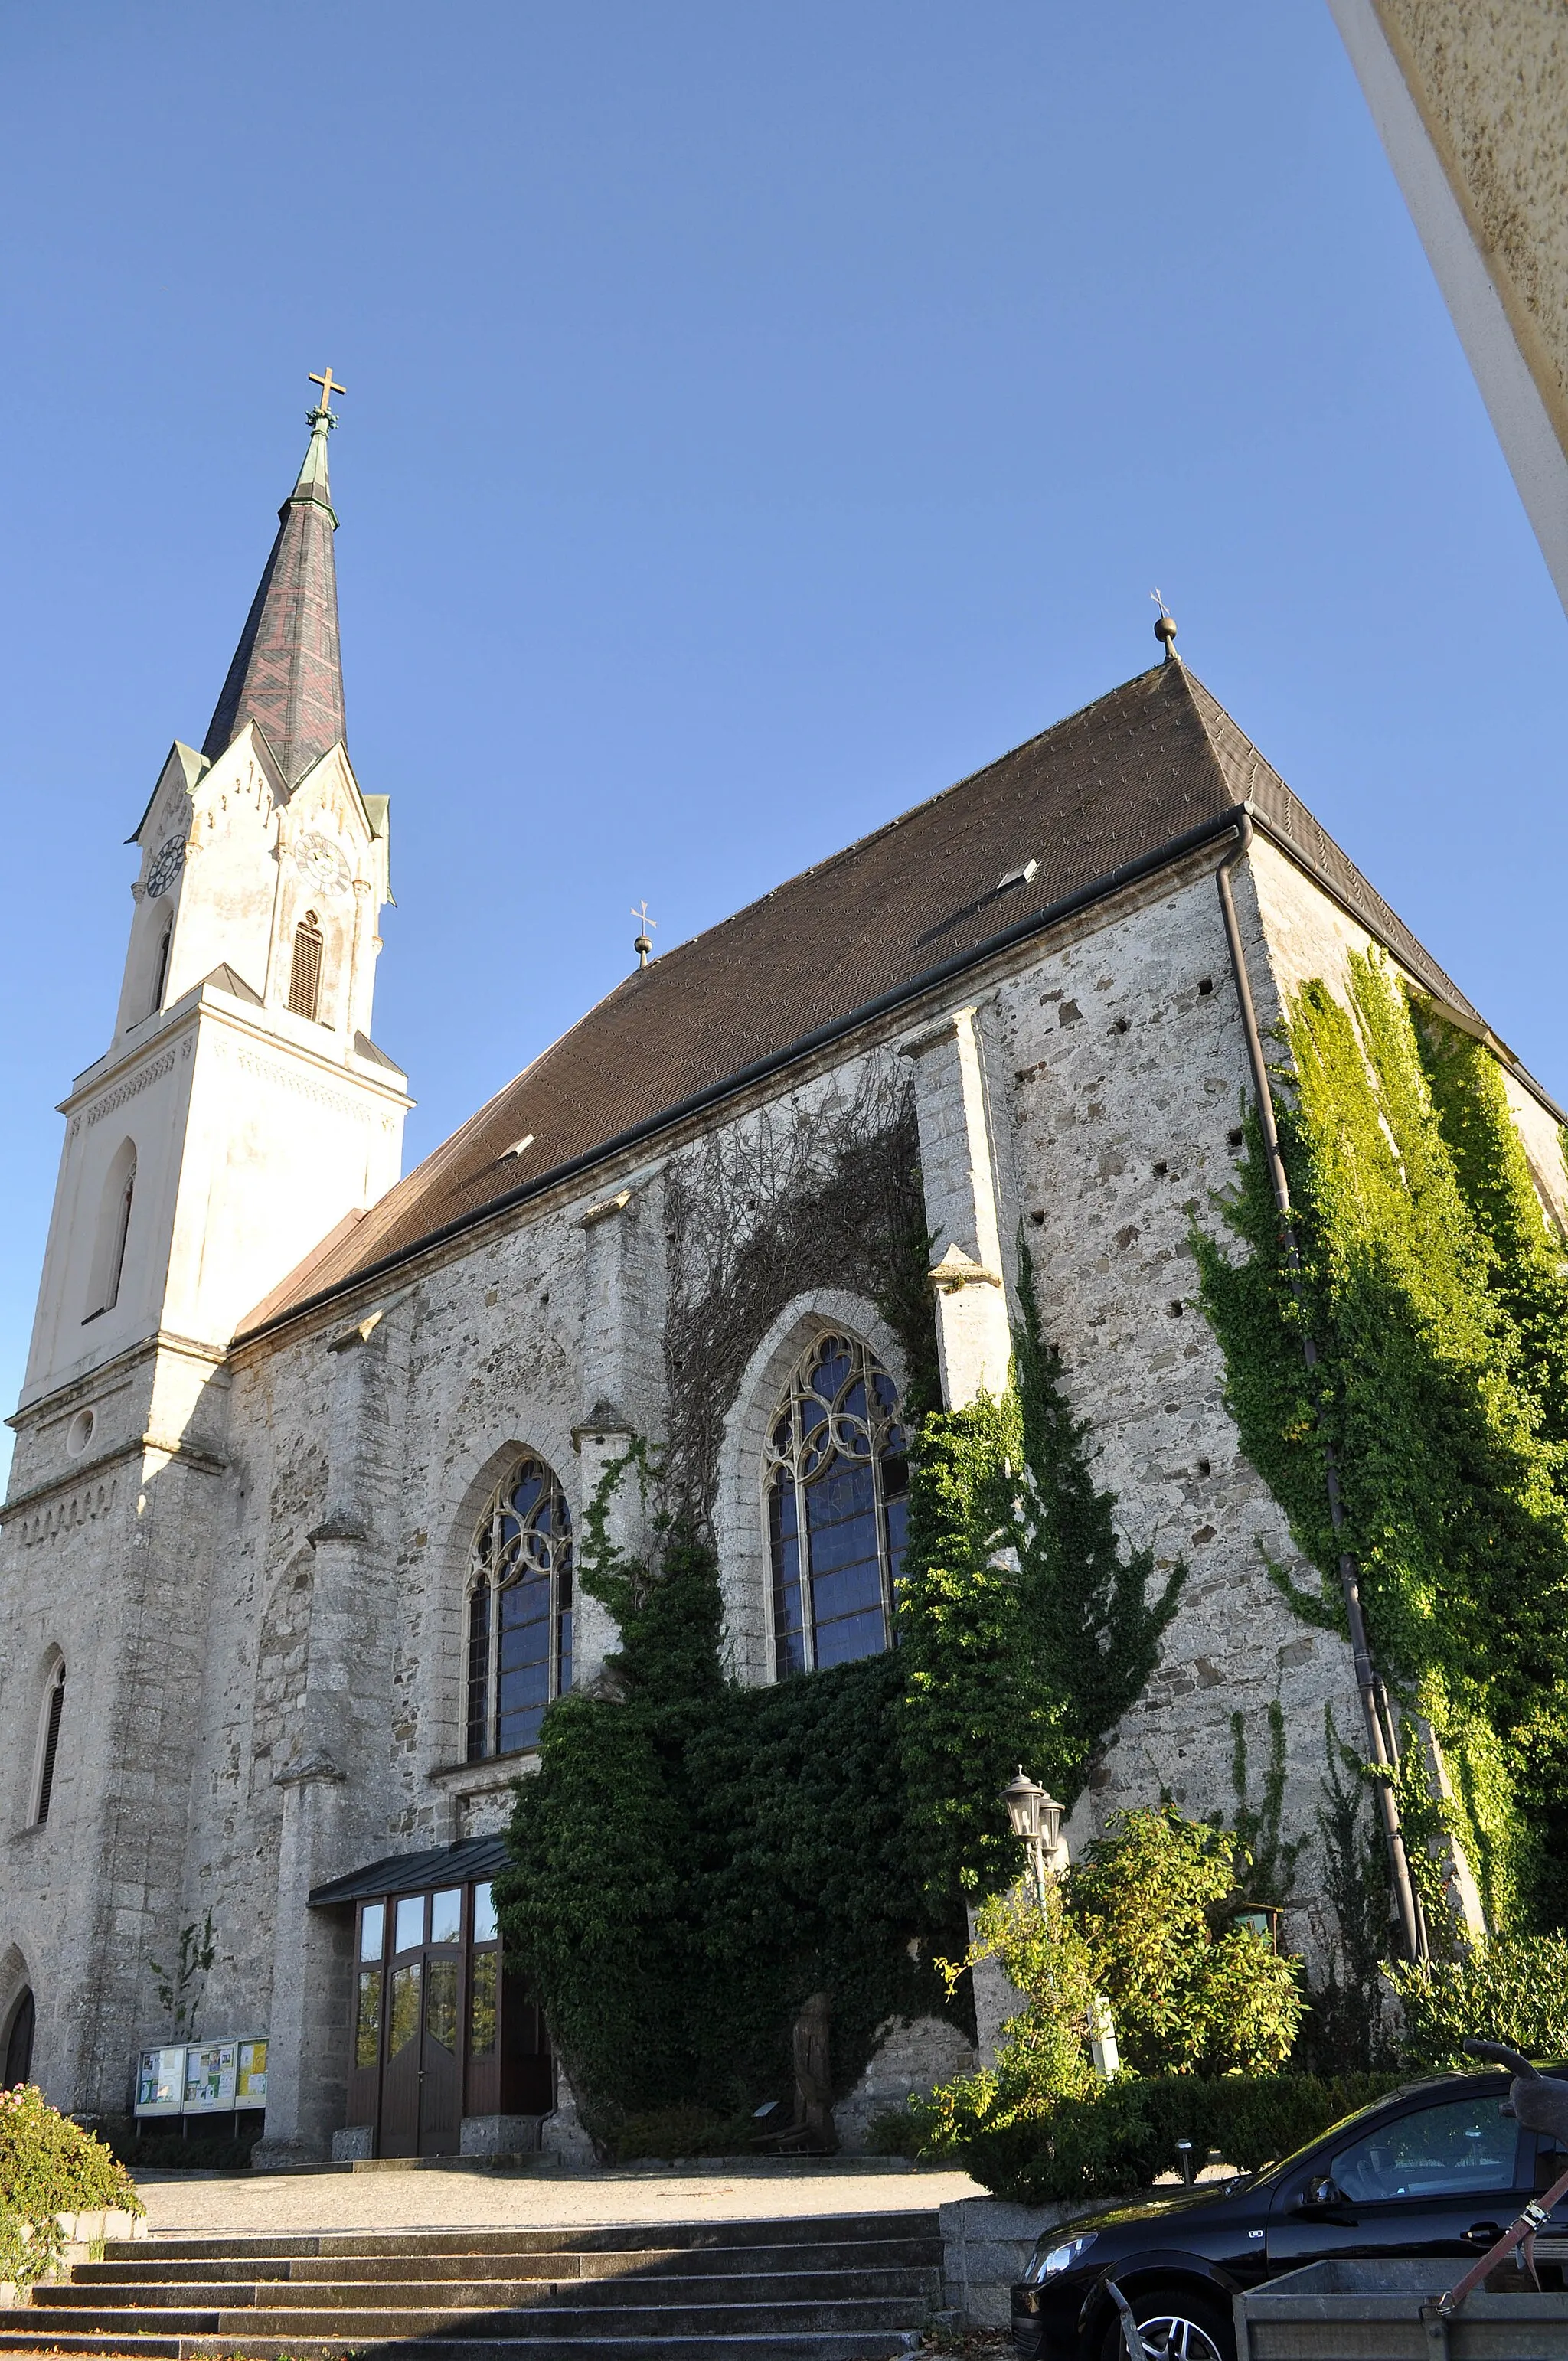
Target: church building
<point>304,1447</point>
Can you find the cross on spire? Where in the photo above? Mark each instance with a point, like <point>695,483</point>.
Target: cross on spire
<point>323,378</point>
<point>643,946</point>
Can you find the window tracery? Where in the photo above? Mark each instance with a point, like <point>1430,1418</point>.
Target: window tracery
<point>836,1480</point>
<point>520,1610</point>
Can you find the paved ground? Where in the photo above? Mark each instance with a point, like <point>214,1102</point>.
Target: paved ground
<point>180,2205</point>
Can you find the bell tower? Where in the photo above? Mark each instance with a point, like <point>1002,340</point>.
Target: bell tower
<point>240,1115</point>
<point>241,1109</point>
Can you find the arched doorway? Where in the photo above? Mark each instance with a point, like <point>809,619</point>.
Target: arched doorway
<point>19,2040</point>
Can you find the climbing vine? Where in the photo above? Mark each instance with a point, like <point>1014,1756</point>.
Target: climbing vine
<point>695,1859</point>
<point>1027,1628</point>
<point>1433,1293</point>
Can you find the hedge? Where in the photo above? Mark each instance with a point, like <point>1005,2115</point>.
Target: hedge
<point>1124,2137</point>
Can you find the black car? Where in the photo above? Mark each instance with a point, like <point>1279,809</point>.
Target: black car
<point>1438,2168</point>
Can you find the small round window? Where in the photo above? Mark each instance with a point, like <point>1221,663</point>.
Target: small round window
<point>79,1434</point>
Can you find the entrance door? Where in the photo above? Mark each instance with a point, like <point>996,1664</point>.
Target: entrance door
<point>440,2062</point>
<point>421,2078</point>
<point>442,2030</point>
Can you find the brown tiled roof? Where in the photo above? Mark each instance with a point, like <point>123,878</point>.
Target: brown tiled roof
<point>287,672</point>
<point>1115,787</point>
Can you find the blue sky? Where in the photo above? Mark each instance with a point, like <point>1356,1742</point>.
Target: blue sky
<point>757,416</point>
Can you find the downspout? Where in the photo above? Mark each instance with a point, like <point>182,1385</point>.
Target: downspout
<point>1380,1742</point>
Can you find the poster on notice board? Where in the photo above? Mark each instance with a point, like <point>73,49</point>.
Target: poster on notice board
<point>160,2081</point>
<point>250,2079</point>
<point>211,2071</point>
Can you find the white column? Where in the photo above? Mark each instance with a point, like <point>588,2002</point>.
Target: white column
<point>958,1173</point>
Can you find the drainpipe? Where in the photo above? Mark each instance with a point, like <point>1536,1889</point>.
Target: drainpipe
<point>1381,1741</point>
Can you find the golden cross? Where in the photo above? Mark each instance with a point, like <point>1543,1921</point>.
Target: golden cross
<point>327,387</point>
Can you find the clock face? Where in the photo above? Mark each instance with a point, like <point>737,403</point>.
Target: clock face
<point>321,863</point>
<point>167,861</point>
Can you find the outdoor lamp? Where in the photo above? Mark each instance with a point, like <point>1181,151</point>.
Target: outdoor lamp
<point>1035,1816</point>
<point>1036,1822</point>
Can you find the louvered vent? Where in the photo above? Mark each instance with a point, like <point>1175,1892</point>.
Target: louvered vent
<point>305,975</point>
<point>51,1746</point>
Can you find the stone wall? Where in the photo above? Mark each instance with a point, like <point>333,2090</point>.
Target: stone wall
<point>264,1619</point>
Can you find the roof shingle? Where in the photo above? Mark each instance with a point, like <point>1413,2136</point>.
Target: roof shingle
<point>1125,779</point>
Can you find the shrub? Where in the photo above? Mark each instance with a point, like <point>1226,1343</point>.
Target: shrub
<point>47,2165</point>
<point>1190,1993</point>
<point>679,2131</point>
<point>1123,2133</point>
<point>1513,1988</point>
<point>171,2152</point>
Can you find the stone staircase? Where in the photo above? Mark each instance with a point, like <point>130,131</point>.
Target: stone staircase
<point>853,2287</point>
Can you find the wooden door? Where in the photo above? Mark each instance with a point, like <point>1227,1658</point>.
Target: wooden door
<point>441,2054</point>
<point>403,2026</point>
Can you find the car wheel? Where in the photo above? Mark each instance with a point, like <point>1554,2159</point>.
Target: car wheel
<point>1177,2323</point>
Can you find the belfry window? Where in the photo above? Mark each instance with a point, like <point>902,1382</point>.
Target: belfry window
<point>160,969</point>
<point>837,1484</point>
<point>48,1743</point>
<point>305,972</point>
<point>519,1612</point>
<point>108,1266</point>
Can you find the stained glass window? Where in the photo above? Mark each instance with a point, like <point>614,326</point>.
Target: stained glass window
<point>837,1485</point>
<point>519,1612</point>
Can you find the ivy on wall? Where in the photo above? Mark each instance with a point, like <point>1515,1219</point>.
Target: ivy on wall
<point>1435,1297</point>
<point>1026,1629</point>
<point>695,1859</point>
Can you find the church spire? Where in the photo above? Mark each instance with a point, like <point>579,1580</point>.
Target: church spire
<point>287,674</point>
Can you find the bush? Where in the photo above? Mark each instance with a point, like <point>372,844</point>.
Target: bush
<point>1190,1992</point>
<point>47,2165</point>
<point>1123,2135</point>
<point>1512,1988</point>
<point>171,2152</point>
<point>671,2132</point>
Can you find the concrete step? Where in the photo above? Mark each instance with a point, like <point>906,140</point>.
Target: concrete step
<point>487,2293</point>
<point>357,2325</point>
<point>833,2287</point>
<point>806,2229</point>
<point>871,2253</point>
<point>849,2346</point>
<point>497,2284</point>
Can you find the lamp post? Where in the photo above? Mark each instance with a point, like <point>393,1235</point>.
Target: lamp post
<point>1036,1822</point>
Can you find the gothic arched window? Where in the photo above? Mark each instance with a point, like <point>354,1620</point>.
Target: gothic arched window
<point>519,1612</point>
<point>836,1483</point>
<point>305,970</point>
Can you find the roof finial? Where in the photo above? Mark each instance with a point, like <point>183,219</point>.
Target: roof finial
<point>1165,629</point>
<point>643,947</point>
<point>323,414</point>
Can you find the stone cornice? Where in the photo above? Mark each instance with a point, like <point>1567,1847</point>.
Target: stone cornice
<point>206,1003</point>
<point>84,1470</point>
<point>107,1374</point>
